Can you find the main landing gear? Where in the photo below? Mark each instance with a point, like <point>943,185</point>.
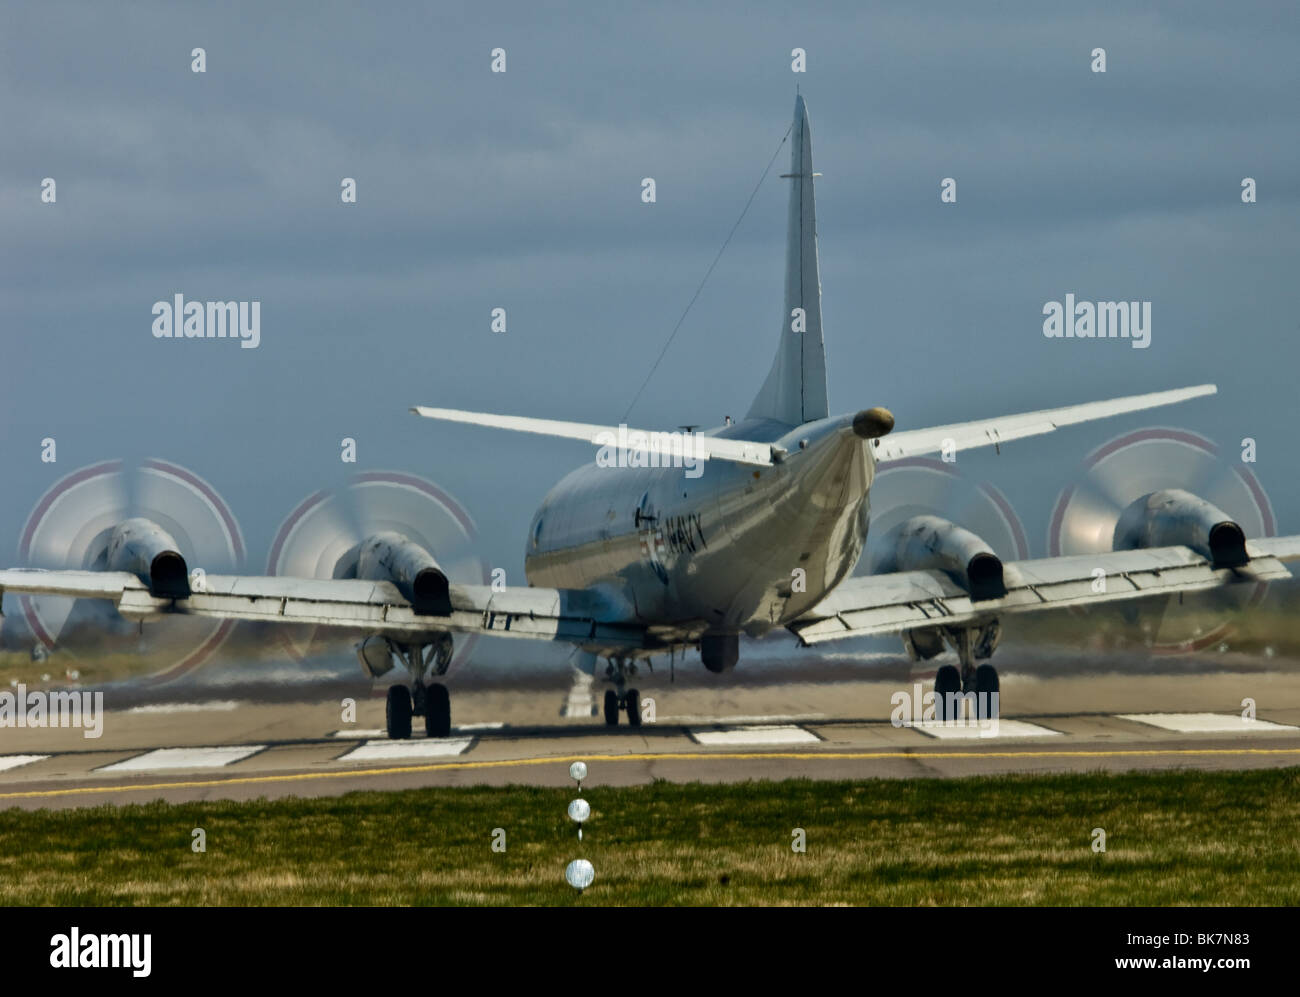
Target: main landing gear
<point>430,701</point>
<point>980,681</point>
<point>621,698</point>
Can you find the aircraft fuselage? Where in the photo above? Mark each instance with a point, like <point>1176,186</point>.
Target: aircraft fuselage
<point>740,548</point>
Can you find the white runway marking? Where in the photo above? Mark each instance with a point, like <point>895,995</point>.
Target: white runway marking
<point>973,731</point>
<point>228,704</point>
<point>378,733</point>
<point>784,718</point>
<point>787,734</point>
<point>184,758</point>
<point>1204,723</point>
<point>386,750</point>
<point>579,703</point>
<point>13,761</point>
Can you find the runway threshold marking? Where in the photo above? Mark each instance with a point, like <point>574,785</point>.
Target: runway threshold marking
<point>14,761</point>
<point>386,751</point>
<point>1205,723</point>
<point>755,735</point>
<point>184,758</point>
<point>660,757</point>
<point>981,730</point>
<point>379,734</point>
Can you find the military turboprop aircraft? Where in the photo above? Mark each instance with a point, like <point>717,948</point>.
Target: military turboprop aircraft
<point>644,555</point>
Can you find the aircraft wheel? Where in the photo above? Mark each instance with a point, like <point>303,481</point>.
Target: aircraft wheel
<point>947,680</point>
<point>611,708</point>
<point>986,683</point>
<point>398,713</point>
<point>633,708</point>
<point>437,710</point>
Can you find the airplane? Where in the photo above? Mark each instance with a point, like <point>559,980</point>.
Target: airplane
<point>690,541</point>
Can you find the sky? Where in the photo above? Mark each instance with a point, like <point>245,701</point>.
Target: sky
<point>522,190</point>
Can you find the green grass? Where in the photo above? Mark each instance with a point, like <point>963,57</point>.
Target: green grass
<point>1172,838</point>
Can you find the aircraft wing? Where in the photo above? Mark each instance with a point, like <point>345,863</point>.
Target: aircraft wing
<point>994,432</point>
<point>883,604</point>
<point>578,616</point>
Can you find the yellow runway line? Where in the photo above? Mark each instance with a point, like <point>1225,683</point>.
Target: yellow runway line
<point>655,757</point>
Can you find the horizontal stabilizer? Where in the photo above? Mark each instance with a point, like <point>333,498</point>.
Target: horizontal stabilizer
<point>992,432</point>
<point>689,446</point>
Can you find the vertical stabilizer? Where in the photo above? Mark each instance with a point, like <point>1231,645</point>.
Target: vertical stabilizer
<point>795,389</point>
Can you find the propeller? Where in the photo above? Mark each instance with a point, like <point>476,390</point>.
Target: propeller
<point>321,536</point>
<point>72,527</point>
<point>1133,465</point>
<point>920,486</point>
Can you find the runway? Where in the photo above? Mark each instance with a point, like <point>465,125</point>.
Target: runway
<point>240,743</point>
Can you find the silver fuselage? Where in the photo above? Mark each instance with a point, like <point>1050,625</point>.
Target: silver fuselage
<point>739,549</point>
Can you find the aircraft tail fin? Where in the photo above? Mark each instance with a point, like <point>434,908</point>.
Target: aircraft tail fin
<point>795,389</point>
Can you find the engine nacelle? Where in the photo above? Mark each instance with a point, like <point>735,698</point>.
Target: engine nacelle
<point>391,557</point>
<point>149,552</point>
<point>925,542</point>
<point>1172,517</point>
<point>376,656</point>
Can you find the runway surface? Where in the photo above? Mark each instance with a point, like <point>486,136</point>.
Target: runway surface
<point>245,742</point>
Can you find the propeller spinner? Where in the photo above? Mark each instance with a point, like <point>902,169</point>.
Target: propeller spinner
<point>1150,470</point>
<point>381,524</point>
<point>157,520</point>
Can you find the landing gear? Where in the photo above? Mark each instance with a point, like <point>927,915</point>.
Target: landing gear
<point>986,692</point>
<point>950,691</point>
<point>437,710</point>
<point>398,713</point>
<point>972,644</point>
<point>947,683</point>
<point>982,680</point>
<point>620,698</point>
<point>430,701</point>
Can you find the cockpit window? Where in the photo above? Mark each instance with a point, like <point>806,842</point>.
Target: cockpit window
<point>537,534</point>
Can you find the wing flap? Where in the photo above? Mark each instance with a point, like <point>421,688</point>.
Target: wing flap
<point>1283,548</point>
<point>882,604</point>
<point>77,584</point>
<point>375,607</point>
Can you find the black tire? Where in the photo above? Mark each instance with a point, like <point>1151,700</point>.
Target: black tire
<point>633,699</point>
<point>437,710</point>
<point>398,713</point>
<point>611,708</point>
<point>986,683</point>
<point>947,680</point>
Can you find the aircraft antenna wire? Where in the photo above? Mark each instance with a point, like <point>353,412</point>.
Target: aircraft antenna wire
<point>707,274</point>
